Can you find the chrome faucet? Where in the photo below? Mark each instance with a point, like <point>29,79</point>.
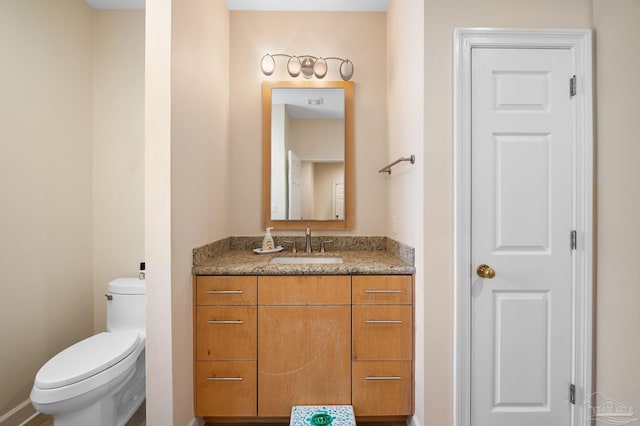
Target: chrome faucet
<point>307,235</point>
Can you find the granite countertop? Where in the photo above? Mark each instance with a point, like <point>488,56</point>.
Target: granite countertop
<point>367,256</point>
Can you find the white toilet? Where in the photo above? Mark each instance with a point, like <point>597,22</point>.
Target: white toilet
<point>100,380</point>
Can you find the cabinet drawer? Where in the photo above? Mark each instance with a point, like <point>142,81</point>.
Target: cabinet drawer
<point>382,388</point>
<point>382,332</point>
<point>226,333</point>
<point>382,289</point>
<point>304,290</point>
<point>226,389</point>
<point>226,290</point>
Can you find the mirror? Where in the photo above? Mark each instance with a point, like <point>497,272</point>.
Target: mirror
<point>307,155</point>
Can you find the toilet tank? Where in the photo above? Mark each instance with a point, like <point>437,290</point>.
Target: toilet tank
<point>126,305</point>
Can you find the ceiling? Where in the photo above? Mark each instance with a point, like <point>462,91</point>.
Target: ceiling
<point>281,5</point>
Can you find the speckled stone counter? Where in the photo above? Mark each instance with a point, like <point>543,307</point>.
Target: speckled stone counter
<point>360,255</point>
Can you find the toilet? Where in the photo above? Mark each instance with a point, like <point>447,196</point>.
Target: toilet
<point>100,380</point>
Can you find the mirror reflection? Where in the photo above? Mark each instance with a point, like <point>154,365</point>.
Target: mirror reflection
<point>307,153</point>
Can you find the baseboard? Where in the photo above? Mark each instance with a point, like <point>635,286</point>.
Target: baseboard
<point>413,421</point>
<point>19,414</point>
<point>196,421</point>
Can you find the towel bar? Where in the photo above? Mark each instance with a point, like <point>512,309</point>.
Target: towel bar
<point>387,168</point>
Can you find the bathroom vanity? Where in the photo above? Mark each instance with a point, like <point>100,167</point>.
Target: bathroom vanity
<point>268,336</point>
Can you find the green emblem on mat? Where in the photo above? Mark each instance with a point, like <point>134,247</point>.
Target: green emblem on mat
<point>321,419</point>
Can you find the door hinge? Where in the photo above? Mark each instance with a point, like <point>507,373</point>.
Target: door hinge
<point>572,394</point>
<point>574,240</point>
<point>573,86</point>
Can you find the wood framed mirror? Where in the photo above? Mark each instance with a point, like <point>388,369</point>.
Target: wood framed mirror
<point>308,155</point>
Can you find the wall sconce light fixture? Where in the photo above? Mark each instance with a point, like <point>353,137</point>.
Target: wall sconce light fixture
<point>307,65</point>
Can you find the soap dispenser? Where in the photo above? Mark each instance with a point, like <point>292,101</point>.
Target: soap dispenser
<point>267,242</point>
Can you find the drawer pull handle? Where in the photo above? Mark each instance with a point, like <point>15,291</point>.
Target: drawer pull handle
<point>224,379</point>
<point>383,291</point>
<point>371,321</point>
<point>383,378</point>
<point>224,292</point>
<point>225,322</point>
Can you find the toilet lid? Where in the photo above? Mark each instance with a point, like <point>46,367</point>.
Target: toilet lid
<point>127,286</point>
<point>86,358</point>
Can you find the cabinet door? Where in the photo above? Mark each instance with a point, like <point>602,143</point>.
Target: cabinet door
<point>382,332</point>
<point>305,358</point>
<point>382,388</point>
<point>226,388</point>
<point>226,333</point>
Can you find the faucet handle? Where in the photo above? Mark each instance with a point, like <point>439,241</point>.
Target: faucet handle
<point>293,245</point>
<point>322,243</point>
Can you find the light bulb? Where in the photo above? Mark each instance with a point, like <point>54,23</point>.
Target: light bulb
<point>346,70</point>
<point>267,64</point>
<point>320,68</point>
<point>293,66</point>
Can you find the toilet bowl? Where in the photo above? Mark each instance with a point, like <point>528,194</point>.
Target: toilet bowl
<point>99,380</point>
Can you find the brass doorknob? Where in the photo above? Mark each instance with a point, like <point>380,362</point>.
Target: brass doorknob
<point>485,271</point>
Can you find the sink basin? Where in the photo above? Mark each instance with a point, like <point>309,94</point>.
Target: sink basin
<point>311,260</point>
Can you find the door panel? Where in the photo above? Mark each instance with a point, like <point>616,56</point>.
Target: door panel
<point>528,361</point>
<point>338,200</point>
<point>294,190</point>
<point>522,165</point>
<point>522,199</point>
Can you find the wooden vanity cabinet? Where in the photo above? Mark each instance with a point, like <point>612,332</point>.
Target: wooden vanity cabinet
<point>264,344</point>
<point>225,346</point>
<point>382,345</point>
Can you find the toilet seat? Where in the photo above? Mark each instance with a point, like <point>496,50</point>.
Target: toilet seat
<point>86,358</point>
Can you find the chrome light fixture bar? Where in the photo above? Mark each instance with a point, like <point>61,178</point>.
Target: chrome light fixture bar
<point>307,65</point>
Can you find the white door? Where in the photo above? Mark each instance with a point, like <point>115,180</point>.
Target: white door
<point>338,200</point>
<point>522,144</point>
<point>295,197</point>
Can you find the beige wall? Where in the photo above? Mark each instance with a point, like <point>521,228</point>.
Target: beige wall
<point>72,170</point>
<point>157,215</point>
<point>200,165</point>
<point>324,176</point>
<point>253,34</point>
<point>45,186</point>
<point>320,138</point>
<point>315,141</point>
<point>617,26</point>
<point>118,151</point>
<point>406,186</point>
<point>187,169</point>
